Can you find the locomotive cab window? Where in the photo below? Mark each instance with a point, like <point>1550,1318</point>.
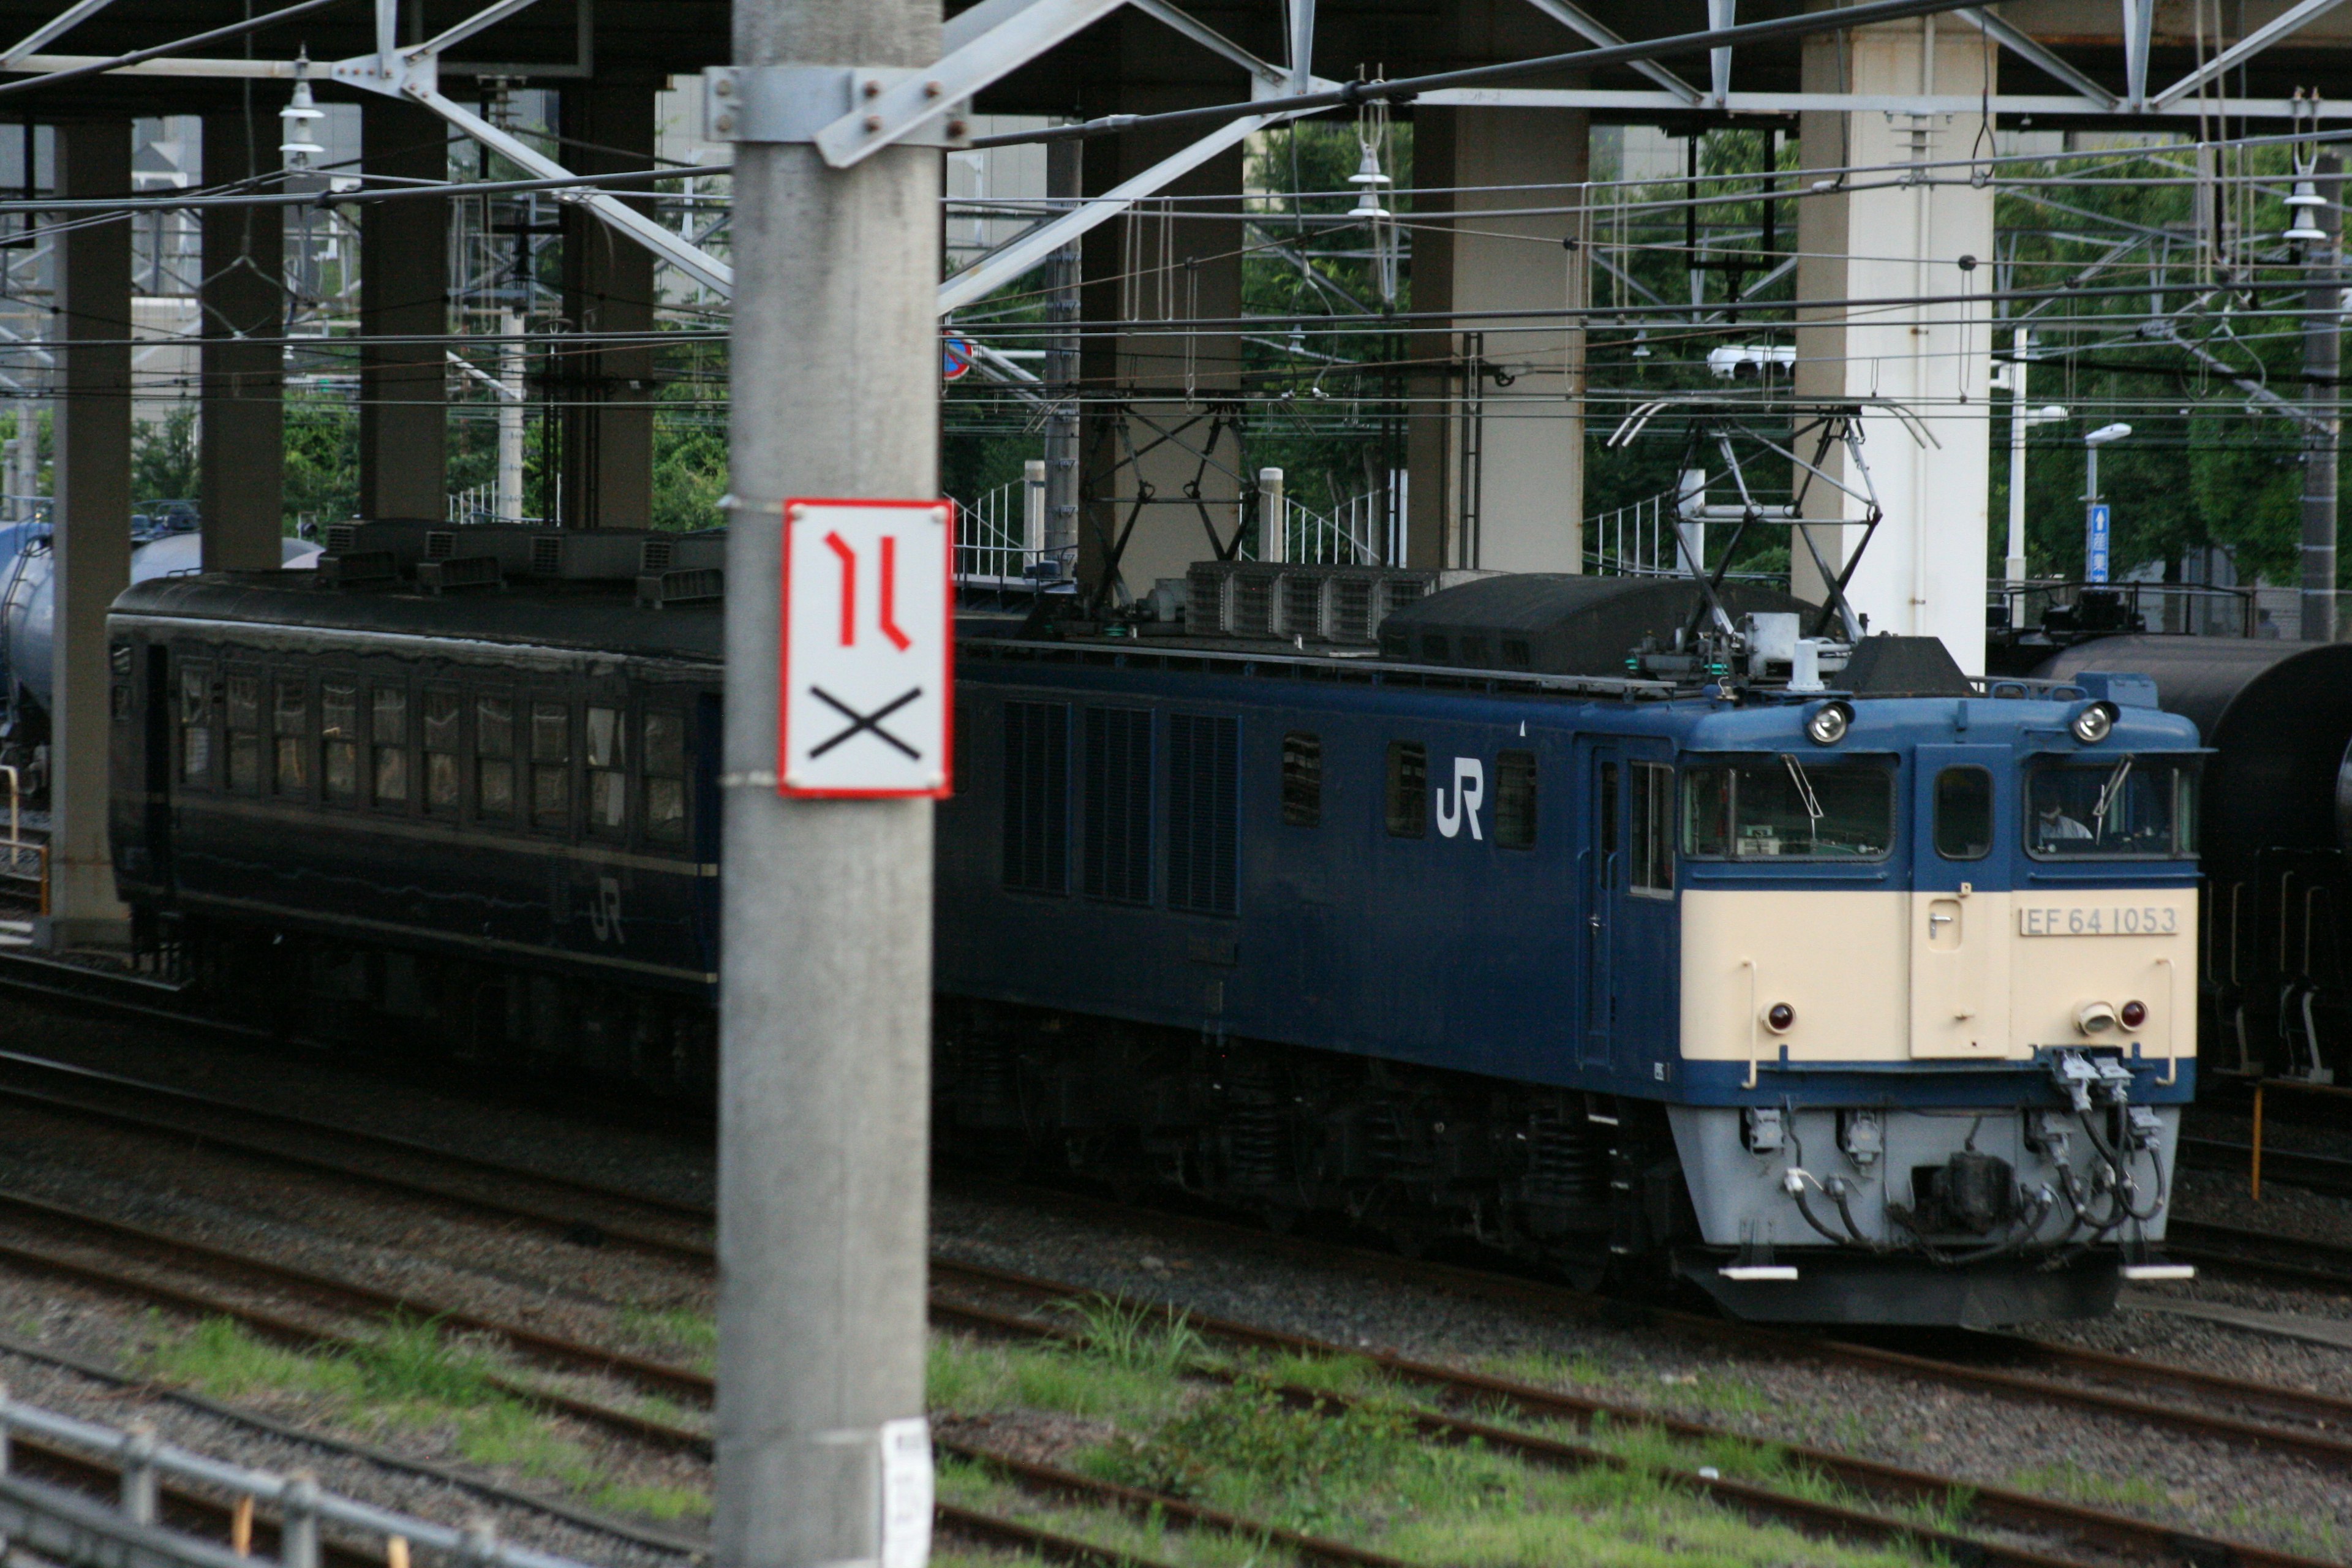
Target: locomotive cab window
<point>2131,807</point>
<point>1787,808</point>
<point>1964,814</point>
<point>1408,789</point>
<point>608,776</point>
<point>1651,872</point>
<point>1302,780</point>
<point>196,724</point>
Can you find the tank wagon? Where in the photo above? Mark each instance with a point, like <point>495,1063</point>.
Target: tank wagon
<point>1601,920</point>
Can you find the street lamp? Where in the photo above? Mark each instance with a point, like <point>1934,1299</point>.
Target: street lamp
<point>2095,517</point>
<point>2020,419</point>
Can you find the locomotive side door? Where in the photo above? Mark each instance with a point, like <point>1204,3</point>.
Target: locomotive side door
<point>1960,928</point>
<point>1600,877</point>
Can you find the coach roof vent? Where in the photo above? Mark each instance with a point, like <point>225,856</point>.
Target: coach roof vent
<point>1549,623</point>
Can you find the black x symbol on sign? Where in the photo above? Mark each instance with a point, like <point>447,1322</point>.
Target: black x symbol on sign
<point>870,724</point>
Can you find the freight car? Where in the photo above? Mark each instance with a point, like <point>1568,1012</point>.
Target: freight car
<point>1862,998</point>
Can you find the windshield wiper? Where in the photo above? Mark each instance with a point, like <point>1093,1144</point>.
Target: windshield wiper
<point>2109,792</point>
<point>1804,786</point>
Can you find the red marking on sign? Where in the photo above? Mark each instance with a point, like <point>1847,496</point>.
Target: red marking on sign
<point>889,615</point>
<point>848,589</point>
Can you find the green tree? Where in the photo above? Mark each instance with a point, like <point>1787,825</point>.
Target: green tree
<point>164,458</point>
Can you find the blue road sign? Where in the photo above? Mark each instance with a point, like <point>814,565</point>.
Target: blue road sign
<point>2094,544</point>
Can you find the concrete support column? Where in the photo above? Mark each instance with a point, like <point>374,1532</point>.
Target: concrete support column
<point>403,291</point>
<point>93,527</point>
<point>1925,572</point>
<point>608,286</point>
<point>1527,444</point>
<point>1158,267</point>
<point>241,422</point>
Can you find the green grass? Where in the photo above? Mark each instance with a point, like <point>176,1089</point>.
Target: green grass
<point>408,1375</point>
<point>676,1328</point>
<point>2069,1481</point>
<point>1363,1474</point>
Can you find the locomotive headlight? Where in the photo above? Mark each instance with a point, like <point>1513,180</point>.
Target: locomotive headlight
<point>2095,723</point>
<point>1827,724</point>
<point>2095,1017</point>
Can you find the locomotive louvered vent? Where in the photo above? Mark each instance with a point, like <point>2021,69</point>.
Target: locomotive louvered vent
<point>1302,604</point>
<point>1203,809</point>
<point>1403,591</point>
<point>1205,599</point>
<point>1252,615</point>
<point>1118,804</point>
<point>654,556</point>
<point>547,555</point>
<point>440,544</point>
<point>341,537</point>
<point>1037,796</point>
<point>1351,610</point>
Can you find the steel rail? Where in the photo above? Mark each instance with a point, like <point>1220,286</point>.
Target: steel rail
<point>1791,1345</point>
<point>1991,1505</point>
<point>1806,1514</point>
<point>286,1330</point>
<point>502,1169</point>
<point>349,1296</point>
<point>2297,1258</point>
<point>503,1208</point>
<point>1038,1478</point>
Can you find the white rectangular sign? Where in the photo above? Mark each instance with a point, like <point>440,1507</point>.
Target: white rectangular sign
<point>869,649</point>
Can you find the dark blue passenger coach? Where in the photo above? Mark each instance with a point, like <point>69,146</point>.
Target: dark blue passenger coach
<point>1612,922</point>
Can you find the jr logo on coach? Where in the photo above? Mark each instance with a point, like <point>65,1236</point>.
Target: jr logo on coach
<point>1468,794</point>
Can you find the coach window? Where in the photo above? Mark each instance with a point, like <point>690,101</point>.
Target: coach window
<point>390,736</point>
<point>665,776</point>
<point>494,778</point>
<point>1407,791</point>
<point>1515,800</point>
<point>290,726</point>
<point>195,724</point>
<point>550,764</point>
<point>1653,829</point>
<point>339,739</point>
<point>245,733</point>
<point>608,777</point>
<point>442,788</point>
<point>1964,814</point>
<point>1302,780</point>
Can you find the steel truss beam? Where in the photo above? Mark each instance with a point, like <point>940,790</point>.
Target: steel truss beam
<point>2031,52</point>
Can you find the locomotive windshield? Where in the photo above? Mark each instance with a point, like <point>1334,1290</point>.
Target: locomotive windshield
<point>2122,808</point>
<point>1788,807</point>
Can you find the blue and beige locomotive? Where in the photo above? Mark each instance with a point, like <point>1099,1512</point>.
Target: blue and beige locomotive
<point>1866,995</point>
<point>1609,922</point>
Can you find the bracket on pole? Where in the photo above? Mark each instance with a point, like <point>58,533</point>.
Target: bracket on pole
<point>798,104</point>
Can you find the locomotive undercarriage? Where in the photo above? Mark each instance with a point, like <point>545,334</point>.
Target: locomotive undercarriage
<point>1572,1180</point>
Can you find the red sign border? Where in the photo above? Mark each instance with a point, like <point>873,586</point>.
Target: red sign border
<point>946,786</point>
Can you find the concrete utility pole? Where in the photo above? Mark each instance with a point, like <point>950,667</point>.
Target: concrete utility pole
<point>824,1013</point>
<point>2322,358</point>
<point>1064,181</point>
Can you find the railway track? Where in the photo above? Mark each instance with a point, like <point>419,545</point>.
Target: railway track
<point>2308,1425</point>
<point>2273,1255</point>
<point>1887,1483</point>
<point>563,1206</point>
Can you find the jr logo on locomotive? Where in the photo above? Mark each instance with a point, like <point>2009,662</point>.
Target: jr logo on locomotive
<point>867,642</point>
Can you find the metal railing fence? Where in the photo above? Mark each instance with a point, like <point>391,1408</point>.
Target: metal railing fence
<point>75,1527</point>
